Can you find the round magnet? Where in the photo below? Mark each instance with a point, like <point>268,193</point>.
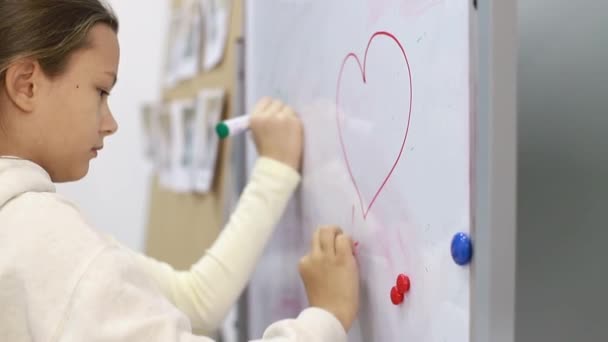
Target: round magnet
<point>403,284</point>
<point>462,249</point>
<point>396,297</point>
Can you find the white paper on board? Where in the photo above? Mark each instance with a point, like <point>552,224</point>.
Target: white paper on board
<point>216,21</point>
<point>156,138</point>
<point>173,48</point>
<point>149,121</point>
<point>210,105</point>
<point>185,48</point>
<point>190,56</point>
<point>166,146</point>
<point>184,116</point>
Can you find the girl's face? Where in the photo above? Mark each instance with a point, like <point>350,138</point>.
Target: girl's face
<point>77,117</point>
<point>63,120</point>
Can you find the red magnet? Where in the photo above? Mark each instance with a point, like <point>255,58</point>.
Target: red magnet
<point>403,284</point>
<point>396,297</point>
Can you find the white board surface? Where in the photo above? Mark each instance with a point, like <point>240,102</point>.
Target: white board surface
<point>383,90</point>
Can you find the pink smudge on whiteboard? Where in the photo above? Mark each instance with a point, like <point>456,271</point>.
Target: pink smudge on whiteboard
<point>411,8</point>
<point>376,9</point>
<point>400,239</point>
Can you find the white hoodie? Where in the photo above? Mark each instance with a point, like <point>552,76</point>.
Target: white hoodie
<point>60,280</point>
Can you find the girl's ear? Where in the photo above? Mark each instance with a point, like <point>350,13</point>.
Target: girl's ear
<point>22,83</point>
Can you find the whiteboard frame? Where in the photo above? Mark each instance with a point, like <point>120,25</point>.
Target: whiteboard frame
<point>494,168</point>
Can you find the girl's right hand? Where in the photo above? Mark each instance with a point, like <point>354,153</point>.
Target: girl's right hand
<point>277,132</point>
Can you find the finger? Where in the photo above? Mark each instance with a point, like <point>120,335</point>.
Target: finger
<point>261,105</point>
<point>303,264</point>
<point>281,115</point>
<point>344,245</point>
<point>328,240</point>
<point>288,111</point>
<point>274,108</point>
<point>316,243</point>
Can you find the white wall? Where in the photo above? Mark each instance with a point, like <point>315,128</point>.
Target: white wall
<point>115,194</point>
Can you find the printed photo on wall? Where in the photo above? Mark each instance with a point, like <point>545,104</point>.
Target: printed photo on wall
<point>150,131</point>
<point>185,43</point>
<point>172,57</point>
<point>183,115</point>
<point>191,40</point>
<point>166,146</point>
<point>209,108</point>
<point>216,18</point>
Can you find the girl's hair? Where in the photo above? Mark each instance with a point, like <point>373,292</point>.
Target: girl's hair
<point>48,30</point>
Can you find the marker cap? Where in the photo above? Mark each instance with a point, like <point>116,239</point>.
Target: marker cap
<point>222,130</point>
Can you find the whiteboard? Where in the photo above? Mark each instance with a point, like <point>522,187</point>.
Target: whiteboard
<point>383,90</point>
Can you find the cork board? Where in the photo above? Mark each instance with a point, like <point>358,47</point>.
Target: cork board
<point>181,227</point>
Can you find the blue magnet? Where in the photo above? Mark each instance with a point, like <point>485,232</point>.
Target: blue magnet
<point>462,249</point>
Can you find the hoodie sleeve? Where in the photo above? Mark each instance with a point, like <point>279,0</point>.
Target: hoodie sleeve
<point>313,324</point>
<point>210,288</point>
<point>115,301</point>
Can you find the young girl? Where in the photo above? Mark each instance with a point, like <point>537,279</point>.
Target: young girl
<point>60,280</point>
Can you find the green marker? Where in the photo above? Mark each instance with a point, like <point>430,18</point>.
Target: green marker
<point>232,126</point>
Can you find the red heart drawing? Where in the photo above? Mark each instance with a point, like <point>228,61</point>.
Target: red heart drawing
<point>362,68</point>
